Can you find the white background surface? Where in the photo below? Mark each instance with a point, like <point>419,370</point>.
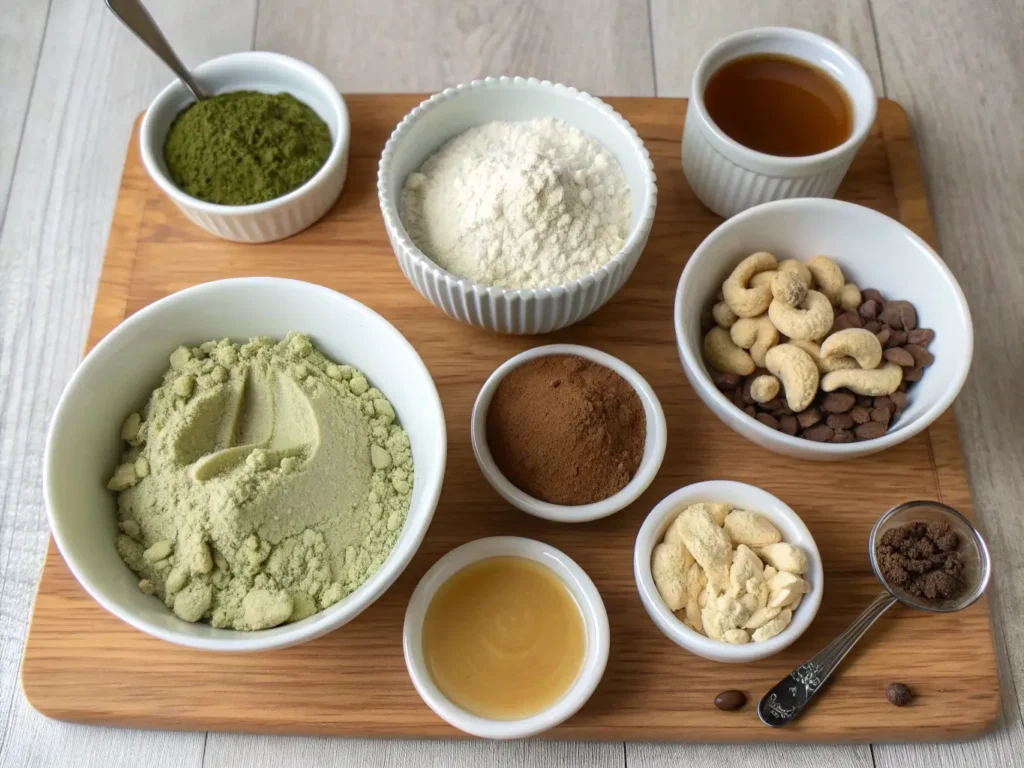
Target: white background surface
<point>72,80</point>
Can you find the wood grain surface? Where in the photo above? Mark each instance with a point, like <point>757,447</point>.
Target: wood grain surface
<point>354,681</point>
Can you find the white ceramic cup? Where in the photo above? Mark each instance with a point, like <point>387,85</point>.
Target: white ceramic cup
<point>729,177</point>
<point>592,612</point>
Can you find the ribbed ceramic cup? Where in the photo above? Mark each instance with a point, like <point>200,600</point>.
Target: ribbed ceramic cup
<point>729,177</point>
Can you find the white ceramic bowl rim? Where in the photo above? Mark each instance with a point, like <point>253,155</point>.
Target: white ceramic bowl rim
<point>863,120</point>
<point>893,436</point>
<point>650,463</point>
<point>586,597</point>
<point>394,220</point>
<point>257,640</point>
<point>701,644</point>
<point>263,59</point>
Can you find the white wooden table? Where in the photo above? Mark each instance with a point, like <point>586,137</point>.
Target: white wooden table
<point>72,80</point>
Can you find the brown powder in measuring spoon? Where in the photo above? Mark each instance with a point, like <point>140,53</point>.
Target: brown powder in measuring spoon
<point>923,559</point>
<point>566,430</point>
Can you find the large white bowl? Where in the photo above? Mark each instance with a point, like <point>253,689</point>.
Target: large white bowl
<point>741,496</point>
<point>116,378</point>
<point>453,111</point>
<point>874,251</point>
<point>655,440</point>
<point>584,593</point>
<point>268,73</point>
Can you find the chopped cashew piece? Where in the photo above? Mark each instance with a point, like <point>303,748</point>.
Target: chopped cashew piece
<point>761,616</point>
<point>785,557</point>
<point>773,627</point>
<point>751,529</point>
<point>719,511</point>
<point>746,567</point>
<point>769,573</point>
<point>736,636</point>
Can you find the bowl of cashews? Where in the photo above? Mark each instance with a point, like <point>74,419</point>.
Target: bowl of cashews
<point>762,300</point>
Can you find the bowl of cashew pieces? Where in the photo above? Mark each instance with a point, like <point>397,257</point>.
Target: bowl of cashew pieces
<point>765,300</point>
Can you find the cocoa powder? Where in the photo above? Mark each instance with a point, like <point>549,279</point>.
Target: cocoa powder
<point>566,430</point>
<point>923,559</point>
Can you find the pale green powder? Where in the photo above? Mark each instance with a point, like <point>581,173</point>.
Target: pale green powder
<point>261,484</point>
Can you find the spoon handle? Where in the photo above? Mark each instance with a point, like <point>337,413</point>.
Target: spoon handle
<point>784,703</point>
<point>133,14</point>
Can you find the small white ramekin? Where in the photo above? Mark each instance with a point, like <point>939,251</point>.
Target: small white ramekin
<point>592,611</point>
<point>654,443</point>
<point>729,177</point>
<point>455,110</point>
<point>269,73</point>
<point>741,496</point>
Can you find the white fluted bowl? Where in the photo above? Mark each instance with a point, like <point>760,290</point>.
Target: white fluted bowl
<point>455,110</point>
<point>268,73</point>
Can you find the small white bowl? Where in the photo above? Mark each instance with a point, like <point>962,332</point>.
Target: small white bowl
<point>729,177</point>
<point>268,73</point>
<point>654,443</point>
<point>741,496</point>
<point>874,251</point>
<point>592,611</point>
<point>115,379</point>
<point>453,111</point>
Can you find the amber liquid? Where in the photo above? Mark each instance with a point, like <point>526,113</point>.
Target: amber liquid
<point>503,638</point>
<point>779,105</point>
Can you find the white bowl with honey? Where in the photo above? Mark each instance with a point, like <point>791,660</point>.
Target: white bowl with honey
<point>505,637</point>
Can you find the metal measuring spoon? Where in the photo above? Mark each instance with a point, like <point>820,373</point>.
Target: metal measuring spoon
<point>784,703</point>
<point>133,14</point>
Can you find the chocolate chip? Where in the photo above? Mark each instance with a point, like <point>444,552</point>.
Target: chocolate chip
<point>750,411</point>
<point>908,315</point>
<point>897,412</point>
<point>869,309</point>
<point>748,399</point>
<point>896,339</point>
<point>729,701</point>
<point>900,356</point>
<point>726,381</point>
<point>788,424</point>
<point>774,406</point>
<point>869,431</point>
<point>854,317</point>
<point>883,401</point>
<point>870,294</point>
<point>842,436</point>
<point>768,420</point>
<point>898,694</point>
<point>913,374</point>
<point>838,402</point>
<point>921,336</point>
<point>881,416</point>
<point>866,400</point>
<point>922,357</point>
<point>873,325</point>
<point>860,415</point>
<point>903,385</point>
<point>883,335</point>
<point>819,433</point>
<point>840,421</point>
<point>737,397</point>
<point>899,399</point>
<point>808,417</point>
<point>841,323</point>
<point>890,315</point>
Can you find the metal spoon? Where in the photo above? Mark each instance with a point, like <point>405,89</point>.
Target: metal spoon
<point>133,14</point>
<point>784,703</point>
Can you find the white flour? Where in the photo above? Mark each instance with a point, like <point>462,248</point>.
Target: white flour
<point>519,205</point>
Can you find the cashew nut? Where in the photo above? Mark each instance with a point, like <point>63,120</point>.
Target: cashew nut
<point>762,278</point>
<point>798,373</point>
<point>799,269</point>
<point>860,344</point>
<point>849,297</point>
<point>788,288</point>
<point>724,356</point>
<point>756,334</point>
<point>764,388</point>
<point>811,320</point>
<point>724,316</point>
<point>824,365</point>
<point>743,300</point>
<point>880,381</point>
<point>827,276</point>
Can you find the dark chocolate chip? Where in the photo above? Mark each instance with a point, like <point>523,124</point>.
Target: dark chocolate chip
<point>913,374</point>
<point>842,436</point>
<point>899,399</point>
<point>869,431</point>
<point>883,335</point>
<point>840,421</point>
<point>808,417</point>
<point>908,315</point>
<point>729,701</point>
<point>726,382</point>
<point>881,416</point>
<point>819,433</point>
<point>869,309</point>
<point>900,356</point>
<point>921,336</point>
<point>838,402</point>
<point>768,420</point>
<point>896,339</point>
<point>873,325</point>
<point>788,424</point>
<point>883,401</point>
<point>898,694</point>
<point>750,411</point>
<point>922,357</point>
<point>890,315</point>
<point>854,317</point>
<point>861,414</point>
<point>870,294</point>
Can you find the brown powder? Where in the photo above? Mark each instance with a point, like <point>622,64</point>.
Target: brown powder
<point>923,560</point>
<point>566,430</point>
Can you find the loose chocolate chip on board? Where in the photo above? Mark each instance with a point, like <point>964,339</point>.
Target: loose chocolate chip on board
<point>788,424</point>
<point>842,436</point>
<point>870,294</point>
<point>869,431</point>
<point>899,399</point>
<point>898,694</point>
<point>913,374</point>
<point>900,356</point>
<point>922,357</point>
<point>768,420</point>
<point>808,417</point>
<point>896,339</point>
<point>860,414</point>
<point>726,381</point>
<point>819,433</point>
<point>869,309</point>
<point>840,421</point>
<point>883,335</point>
<point>838,402</point>
<point>729,701</point>
<point>873,325</point>
<point>921,336</point>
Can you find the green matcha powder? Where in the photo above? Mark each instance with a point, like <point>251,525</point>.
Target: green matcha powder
<point>245,147</point>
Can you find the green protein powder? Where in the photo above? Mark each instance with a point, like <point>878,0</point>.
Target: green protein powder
<point>245,147</point>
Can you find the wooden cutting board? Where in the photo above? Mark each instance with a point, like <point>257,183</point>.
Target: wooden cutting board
<point>83,664</point>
